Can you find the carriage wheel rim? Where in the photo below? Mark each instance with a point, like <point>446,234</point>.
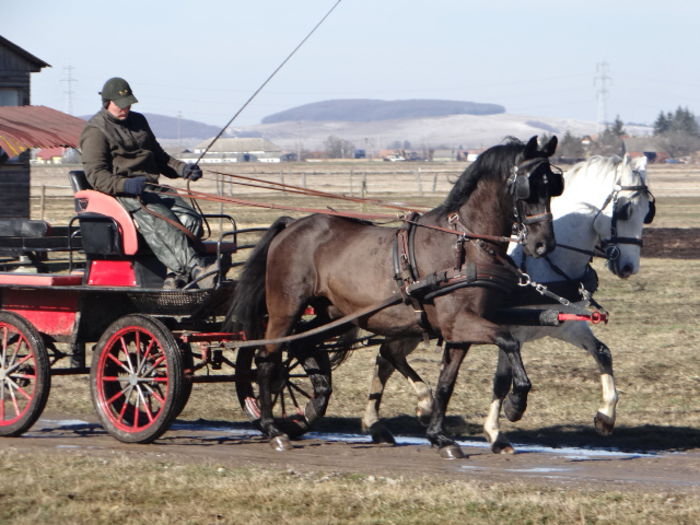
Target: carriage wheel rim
<point>18,376</point>
<point>133,379</point>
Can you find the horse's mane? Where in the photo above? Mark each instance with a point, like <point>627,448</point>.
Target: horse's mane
<point>492,163</point>
<point>599,169</point>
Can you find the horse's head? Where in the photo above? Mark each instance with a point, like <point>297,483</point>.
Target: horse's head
<point>531,184</point>
<point>620,220</point>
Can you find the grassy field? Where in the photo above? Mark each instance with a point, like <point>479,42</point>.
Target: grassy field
<point>653,334</point>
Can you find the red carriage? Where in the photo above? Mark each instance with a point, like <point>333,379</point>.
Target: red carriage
<point>149,344</point>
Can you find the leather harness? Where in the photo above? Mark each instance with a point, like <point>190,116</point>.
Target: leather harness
<point>417,290</point>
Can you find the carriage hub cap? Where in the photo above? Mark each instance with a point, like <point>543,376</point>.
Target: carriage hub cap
<point>133,379</point>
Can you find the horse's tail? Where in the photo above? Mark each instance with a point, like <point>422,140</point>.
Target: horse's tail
<point>247,309</point>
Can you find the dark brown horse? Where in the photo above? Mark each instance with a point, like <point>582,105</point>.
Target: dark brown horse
<point>341,266</point>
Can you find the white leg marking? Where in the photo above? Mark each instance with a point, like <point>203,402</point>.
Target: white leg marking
<point>425,398</point>
<point>609,395</point>
<point>491,427</point>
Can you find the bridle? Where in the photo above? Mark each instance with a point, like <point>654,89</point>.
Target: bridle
<point>621,211</point>
<point>519,185</point>
<point>609,248</point>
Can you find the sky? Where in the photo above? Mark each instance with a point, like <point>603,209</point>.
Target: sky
<point>203,60</point>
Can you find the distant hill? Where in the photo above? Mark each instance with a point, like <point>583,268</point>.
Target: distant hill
<point>177,128</point>
<point>368,110</point>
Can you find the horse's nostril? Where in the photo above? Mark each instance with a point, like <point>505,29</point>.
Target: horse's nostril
<point>540,248</point>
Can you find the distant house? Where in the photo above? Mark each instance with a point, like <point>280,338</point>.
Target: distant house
<point>237,150</point>
<point>49,156</point>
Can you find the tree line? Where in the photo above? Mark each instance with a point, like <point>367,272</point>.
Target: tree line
<point>676,133</point>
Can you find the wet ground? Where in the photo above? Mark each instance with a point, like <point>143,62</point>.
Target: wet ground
<point>231,445</point>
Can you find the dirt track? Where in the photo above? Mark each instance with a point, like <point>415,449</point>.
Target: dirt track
<point>231,445</point>
<point>597,465</point>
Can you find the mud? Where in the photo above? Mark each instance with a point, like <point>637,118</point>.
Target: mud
<point>232,445</point>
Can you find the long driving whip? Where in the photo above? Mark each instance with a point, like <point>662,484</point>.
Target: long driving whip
<point>267,80</point>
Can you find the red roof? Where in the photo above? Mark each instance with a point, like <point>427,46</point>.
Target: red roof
<point>23,127</point>
<point>49,153</point>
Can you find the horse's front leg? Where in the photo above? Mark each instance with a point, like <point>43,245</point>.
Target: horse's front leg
<point>581,335</point>
<point>453,356</point>
<point>515,404</point>
<point>501,386</point>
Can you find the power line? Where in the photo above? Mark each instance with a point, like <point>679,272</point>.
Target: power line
<point>70,91</point>
<point>601,82</point>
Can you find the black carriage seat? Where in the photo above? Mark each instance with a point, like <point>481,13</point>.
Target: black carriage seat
<point>26,242</point>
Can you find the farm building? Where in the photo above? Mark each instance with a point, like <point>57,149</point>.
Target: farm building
<point>23,127</point>
<point>238,150</point>
<point>16,65</point>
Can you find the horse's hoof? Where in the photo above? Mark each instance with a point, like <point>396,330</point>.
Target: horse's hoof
<point>281,443</point>
<point>513,411</point>
<point>604,425</point>
<point>502,446</point>
<point>424,419</point>
<point>451,452</point>
<point>380,435</point>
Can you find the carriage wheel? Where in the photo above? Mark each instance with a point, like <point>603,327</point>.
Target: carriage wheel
<point>137,379</point>
<point>300,394</point>
<point>25,378</point>
<point>187,382</point>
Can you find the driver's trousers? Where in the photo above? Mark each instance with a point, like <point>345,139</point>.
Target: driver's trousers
<point>168,243</point>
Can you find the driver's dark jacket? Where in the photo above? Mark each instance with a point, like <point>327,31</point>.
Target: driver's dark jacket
<point>113,150</point>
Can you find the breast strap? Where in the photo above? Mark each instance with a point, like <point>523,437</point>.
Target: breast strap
<point>417,291</point>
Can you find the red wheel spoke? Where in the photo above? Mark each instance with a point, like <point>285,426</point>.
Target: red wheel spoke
<point>111,379</point>
<point>146,354</point>
<point>154,393</point>
<point>18,388</point>
<point>135,423</point>
<point>9,369</point>
<point>146,408</point>
<point>155,364</point>
<point>14,402</point>
<point>119,362</point>
<point>4,343</point>
<point>118,395</point>
<point>122,412</point>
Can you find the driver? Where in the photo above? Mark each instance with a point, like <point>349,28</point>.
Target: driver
<point>122,157</point>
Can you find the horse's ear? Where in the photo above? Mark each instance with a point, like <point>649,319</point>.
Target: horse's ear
<point>551,146</point>
<point>531,148</point>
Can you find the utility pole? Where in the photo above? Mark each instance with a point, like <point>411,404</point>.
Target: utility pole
<point>70,91</point>
<point>600,81</point>
<point>179,129</point>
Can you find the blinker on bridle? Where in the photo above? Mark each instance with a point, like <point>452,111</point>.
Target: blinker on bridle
<point>623,212</point>
<point>519,182</point>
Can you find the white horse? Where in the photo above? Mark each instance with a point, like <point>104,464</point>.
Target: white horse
<point>602,212</point>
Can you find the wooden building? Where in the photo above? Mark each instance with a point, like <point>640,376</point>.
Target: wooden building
<point>16,66</point>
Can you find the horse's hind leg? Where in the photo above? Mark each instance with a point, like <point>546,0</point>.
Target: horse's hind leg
<point>392,356</point>
<point>501,386</point>
<point>268,361</point>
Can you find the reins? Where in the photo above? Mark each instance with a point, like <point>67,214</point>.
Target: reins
<point>272,185</point>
